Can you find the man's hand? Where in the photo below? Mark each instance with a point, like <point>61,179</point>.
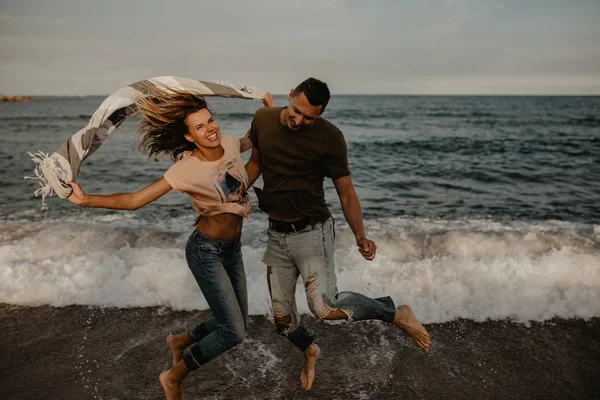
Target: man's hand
<point>268,100</point>
<point>367,248</point>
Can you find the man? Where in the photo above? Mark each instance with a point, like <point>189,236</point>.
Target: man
<point>295,149</point>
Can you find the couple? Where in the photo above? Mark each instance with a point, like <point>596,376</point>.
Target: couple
<point>294,148</point>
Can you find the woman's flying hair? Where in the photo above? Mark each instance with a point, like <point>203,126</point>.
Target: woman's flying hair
<point>163,126</point>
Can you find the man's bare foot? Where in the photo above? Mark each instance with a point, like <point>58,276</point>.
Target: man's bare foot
<point>405,319</point>
<point>177,344</point>
<point>171,387</point>
<point>310,360</point>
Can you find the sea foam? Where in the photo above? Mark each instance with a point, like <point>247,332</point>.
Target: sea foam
<point>474,269</point>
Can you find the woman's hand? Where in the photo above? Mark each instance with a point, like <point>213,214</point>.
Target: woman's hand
<point>77,196</point>
<point>268,100</point>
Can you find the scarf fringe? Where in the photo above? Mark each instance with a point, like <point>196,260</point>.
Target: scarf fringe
<point>47,172</point>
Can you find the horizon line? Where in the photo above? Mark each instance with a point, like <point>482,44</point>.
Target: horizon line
<point>357,94</point>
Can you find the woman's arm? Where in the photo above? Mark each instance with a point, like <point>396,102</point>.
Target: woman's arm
<point>123,201</point>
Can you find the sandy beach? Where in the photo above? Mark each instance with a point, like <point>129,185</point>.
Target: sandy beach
<point>97,353</point>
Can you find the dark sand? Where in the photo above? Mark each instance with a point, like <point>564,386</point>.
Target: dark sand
<point>91,353</point>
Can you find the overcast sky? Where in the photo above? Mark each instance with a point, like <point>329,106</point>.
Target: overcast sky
<point>404,47</point>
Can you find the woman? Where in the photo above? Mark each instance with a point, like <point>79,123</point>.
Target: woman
<point>210,170</point>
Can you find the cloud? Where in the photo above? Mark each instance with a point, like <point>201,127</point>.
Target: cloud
<point>386,46</point>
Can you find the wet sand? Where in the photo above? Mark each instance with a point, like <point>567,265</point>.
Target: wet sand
<point>91,353</point>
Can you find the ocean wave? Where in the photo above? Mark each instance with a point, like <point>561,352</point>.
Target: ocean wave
<point>477,146</point>
<point>588,120</point>
<point>474,114</point>
<point>476,269</point>
<point>234,116</point>
<point>389,125</point>
<point>47,118</point>
<point>365,114</point>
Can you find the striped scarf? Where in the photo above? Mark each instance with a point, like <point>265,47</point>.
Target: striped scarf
<point>54,170</point>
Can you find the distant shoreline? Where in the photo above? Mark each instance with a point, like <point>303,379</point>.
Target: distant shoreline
<point>15,99</point>
<point>351,95</point>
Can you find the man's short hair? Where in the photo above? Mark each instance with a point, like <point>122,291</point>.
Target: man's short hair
<point>316,92</point>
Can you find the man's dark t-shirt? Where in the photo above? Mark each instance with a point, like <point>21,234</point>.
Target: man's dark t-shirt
<point>294,164</point>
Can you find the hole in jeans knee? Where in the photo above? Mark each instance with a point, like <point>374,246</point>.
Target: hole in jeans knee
<point>339,313</point>
<point>316,301</point>
<point>269,271</point>
<point>282,322</point>
<point>281,318</point>
<point>278,314</point>
<point>320,306</point>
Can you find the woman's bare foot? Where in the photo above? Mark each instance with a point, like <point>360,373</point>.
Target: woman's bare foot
<point>310,360</point>
<point>177,344</point>
<point>171,380</point>
<point>405,319</point>
<point>171,387</point>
